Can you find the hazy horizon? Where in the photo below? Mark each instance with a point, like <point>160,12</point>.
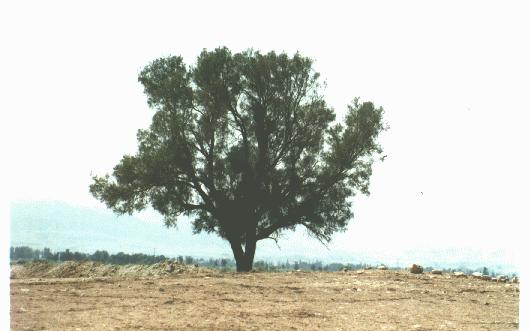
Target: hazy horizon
<point>56,224</point>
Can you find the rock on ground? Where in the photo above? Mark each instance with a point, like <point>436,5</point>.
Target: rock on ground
<point>416,269</point>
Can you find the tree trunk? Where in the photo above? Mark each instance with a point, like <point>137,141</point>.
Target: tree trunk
<point>244,259</point>
<point>239,255</point>
<point>244,264</point>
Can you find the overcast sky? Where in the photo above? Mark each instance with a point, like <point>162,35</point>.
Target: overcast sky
<point>453,79</point>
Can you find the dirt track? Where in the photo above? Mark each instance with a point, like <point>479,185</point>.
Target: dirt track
<point>201,300</point>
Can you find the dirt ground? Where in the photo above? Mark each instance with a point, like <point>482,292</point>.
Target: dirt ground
<point>200,299</point>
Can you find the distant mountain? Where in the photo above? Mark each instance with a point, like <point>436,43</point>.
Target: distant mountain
<point>59,226</point>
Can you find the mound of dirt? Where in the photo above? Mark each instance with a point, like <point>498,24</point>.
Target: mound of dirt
<point>89,269</point>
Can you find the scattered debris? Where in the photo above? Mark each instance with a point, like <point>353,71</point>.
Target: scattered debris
<point>502,279</point>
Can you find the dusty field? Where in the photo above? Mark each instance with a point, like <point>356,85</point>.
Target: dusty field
<point>199,299</point>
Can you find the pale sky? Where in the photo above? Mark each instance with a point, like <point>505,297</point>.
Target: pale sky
<point>452,77</point>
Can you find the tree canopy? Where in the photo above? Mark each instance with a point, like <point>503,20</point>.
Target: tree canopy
<point>245,145</point>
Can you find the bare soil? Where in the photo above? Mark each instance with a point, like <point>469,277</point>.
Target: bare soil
<point>200,299</point>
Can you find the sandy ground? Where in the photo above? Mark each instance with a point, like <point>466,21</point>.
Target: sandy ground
<point>202,300</point>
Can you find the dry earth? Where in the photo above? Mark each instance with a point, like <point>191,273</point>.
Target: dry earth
<point>158,298</point>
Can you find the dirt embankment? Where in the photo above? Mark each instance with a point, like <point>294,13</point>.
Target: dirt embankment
<point>73,269</point>
<point>156,298</point>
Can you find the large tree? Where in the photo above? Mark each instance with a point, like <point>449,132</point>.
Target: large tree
<point>246,145</point>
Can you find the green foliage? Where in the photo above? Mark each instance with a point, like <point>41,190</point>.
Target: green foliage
<point>245,144</point>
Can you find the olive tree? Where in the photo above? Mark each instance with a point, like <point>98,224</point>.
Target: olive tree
<point>246,146</point>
